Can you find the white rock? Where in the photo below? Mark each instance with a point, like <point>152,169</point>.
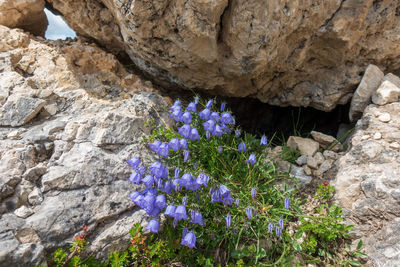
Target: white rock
<point>377,136</point>
<point>327,141</point>
<point>301,160</point>
<point>306,146</point>
<point>384,117</point>
<point>23,212</point>
<point>312,163</point>
<point>386,93</point>
<point>330,154</point>
<point>319,158</point>
<point>325,166</point>
<point>362,96</point>
<point>394,145</point>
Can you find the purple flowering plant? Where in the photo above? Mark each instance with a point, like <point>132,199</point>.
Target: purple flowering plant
<point>214,186</point>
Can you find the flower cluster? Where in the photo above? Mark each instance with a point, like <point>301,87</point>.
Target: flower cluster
<point>163,185</point>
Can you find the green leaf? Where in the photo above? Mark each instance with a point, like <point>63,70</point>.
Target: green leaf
<point>359,245</point>
<point>360,254</point>
<point>354,263</point>
<point>261,253</point>
<point>299,234</point>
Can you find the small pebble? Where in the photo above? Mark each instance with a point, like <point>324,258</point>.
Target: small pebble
<point>395,145</point>
<point>364,137</point>
<point>377,136</point>
<point>384,117</point>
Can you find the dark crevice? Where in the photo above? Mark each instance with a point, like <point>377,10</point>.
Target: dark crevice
<point>219,38</point>
<point>326,23</point>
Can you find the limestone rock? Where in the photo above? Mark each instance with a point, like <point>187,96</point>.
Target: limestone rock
<point>306,146</point>
<point>20,111</point>
<point>386,93</point>
<point>367,185</point>
<point>384,117</point>
<point>301,160</point>
<point>362,96</point>
<point>225,46</point>
<point>66,169</point>
<point>312,162</point>
<point>392,78</point>
<point>327,141</point>
<point>25,14</point>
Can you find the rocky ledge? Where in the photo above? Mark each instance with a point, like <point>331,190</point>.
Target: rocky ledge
<point>71,116</point>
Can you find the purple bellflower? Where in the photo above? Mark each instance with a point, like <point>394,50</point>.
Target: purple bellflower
<point>174,144</point>
<point>153,226</point>
<point>183,144</point>
<point>158,170</point>
<point>148,180</point>
<point>253,192</point>
<point>189,240</point>
<point>160,202</point>
<point>287,203</point>
<point>194,134</point>
<point>196,217</point>
<point>185,155</point>
<point>242,147</point>
<point>263,141</point>
<point>237,133</point>
<point>205,114</point>
<point>223,106</point>
<point>133,162</point>
<point>180,213</point>
<point>209,126</point>
<point>252,159</point>
<point>226,118</point>
<point>214,116</point>
<point>187,117</point>
<point>191,107</point>
<point>154,146</point>
<point>278,231</point>
<point>170,211</point>
<point>228,220</point>
<point>218,131</point>
<point>249,213</point>
<point>135,177</point>
<point>163,150</point>
<point>209,103</point>
<point>184,131</point>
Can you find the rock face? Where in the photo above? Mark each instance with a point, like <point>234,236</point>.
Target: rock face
<point>24,14</point>
<point>80,116</point>
<point>367,183</point>
<point>301,53</point>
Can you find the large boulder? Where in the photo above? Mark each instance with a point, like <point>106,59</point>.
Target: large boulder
<point>292,52</point>
<point>25,14</point>
<point>71,116</point>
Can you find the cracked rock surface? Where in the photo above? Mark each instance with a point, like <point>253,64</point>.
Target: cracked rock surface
<point>291,52</point>
<point>65,167</point>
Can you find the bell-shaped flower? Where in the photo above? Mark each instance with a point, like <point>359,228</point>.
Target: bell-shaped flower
<point>242,147</point>
<point>163,150</point>
<point>223,190</point>
<point>287,203</point>
<point>237,133</point>
<point>252,159</point>
<point>135,177</point>
<point>187,117</point>
<point>153,226</point>
<point>174,144</point>
<point>177,103</point>
<point>209,126</point>
<point>202,179</point>
<point>167,188</point>
<point>177,171</point>
<point>154,212</point>
<point>278,231</point>
<point>133,162</point>
<point>227,200</point>
<point>196,217</point>
<point>205,114</point>
<point>209,103</point>
<point>263,141</point>
<point>154,146</point>
<point>134,195</point>
<point>158,170</point>
<point>220,149</point>
<point>194,134</point>
<point>184,130</point>
<point>270,227</point>
<point>208,135</point>
<point>160,202</point>
<point>148,180</point>
<point>215,196</point>
<point>237,202</point>
<point>180,213</point>
<point>253,192</point>
<point>177,115</point>
<point>228,220</point>
<point>189,240</point>
<point>186,180</point>
<point>226,118</point>
<point>170,211</point>
<point>196,99</point>
<point>218,131</point>
<point>191,107</point>
<point>185,155</point>
<point>183,144</point>
<point>249,213</point>
<point>280,223</point>
<point>214,116</point>
<point>148,204</point>
<point>185,200</point>
<point>223,106</point>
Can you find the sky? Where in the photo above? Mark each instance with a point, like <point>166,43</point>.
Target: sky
<point>57,28</point>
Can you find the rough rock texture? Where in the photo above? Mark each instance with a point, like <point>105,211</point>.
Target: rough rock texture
<point>24,14</point>
<point>301,53</point>
<point>64,167</point>
<point>368,185</point>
